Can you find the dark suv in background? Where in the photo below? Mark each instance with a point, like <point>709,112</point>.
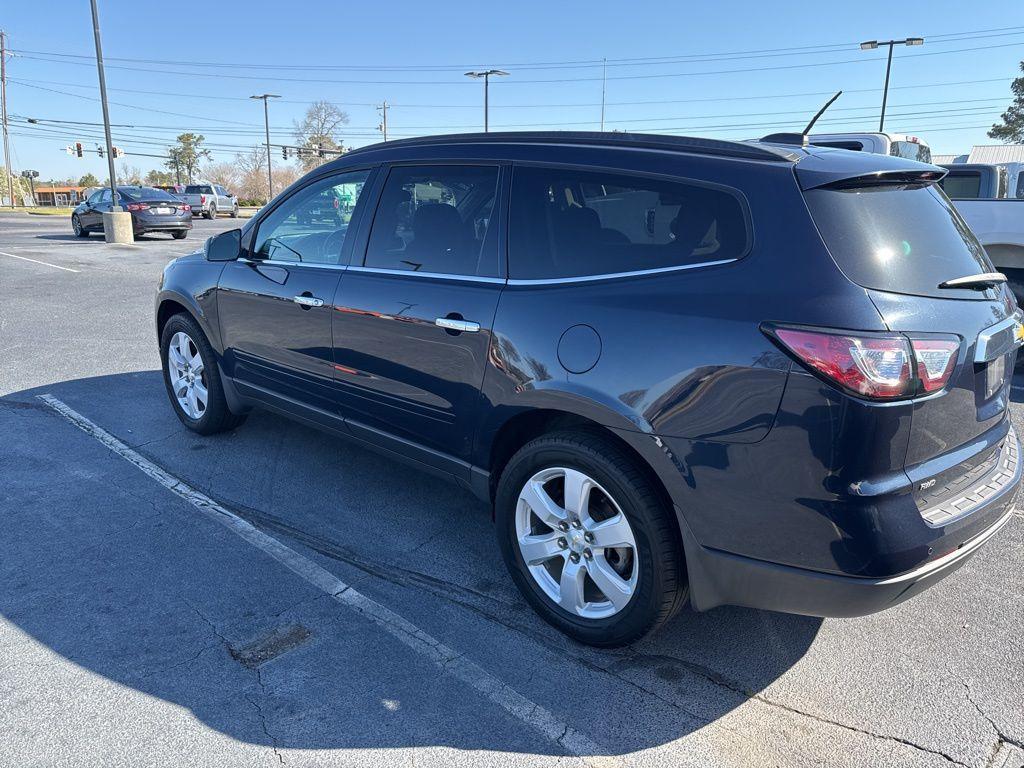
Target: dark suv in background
<point>757,374</point>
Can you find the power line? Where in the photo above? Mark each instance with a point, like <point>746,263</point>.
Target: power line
<point>474,106</point>
<point>570,64</point>
<point>519,81</point>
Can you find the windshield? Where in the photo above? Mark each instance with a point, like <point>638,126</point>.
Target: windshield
<point>899,238</point>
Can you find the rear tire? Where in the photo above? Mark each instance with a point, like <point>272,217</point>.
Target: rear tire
<point>651,565</point>
<point>180,235</point>
<point>191,344</point>
<point>212,213</point>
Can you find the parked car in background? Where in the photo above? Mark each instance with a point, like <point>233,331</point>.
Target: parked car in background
<point>895,144</point>
<point>152,210</point>
<point>621,342</point>
<point>210,200</point>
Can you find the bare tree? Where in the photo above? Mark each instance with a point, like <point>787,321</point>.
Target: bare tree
<point>319,133</point>
<point>129,174</point>
<point>225,174</point>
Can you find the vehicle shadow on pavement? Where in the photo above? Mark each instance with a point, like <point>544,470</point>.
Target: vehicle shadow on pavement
<point>114,573</point>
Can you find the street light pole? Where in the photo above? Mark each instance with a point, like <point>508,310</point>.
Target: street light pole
<point>871,45</point>
<point>486,75</point>
<point>266,125</point>
<point>106,114</point>
<point>3,116</point>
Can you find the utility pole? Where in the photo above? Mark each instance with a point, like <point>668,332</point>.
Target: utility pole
<point>266,125</point>
<point>3,115</point>
<point>383,127</point>
<point>486,75</point>
<point>604,82</point>
<point>871,45</point>
<point>106,114</point>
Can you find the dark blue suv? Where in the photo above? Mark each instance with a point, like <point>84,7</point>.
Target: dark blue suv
<point>758,374</point>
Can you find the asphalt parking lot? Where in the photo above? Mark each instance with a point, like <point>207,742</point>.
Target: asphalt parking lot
<point>272,595</point>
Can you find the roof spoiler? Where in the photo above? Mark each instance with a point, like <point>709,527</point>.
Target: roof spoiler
<point>839,180</point>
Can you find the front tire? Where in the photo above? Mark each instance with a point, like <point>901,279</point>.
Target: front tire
<point>588,539</point>
<point>76,225</point>
<point>234,212</point>
<point>192,378</point>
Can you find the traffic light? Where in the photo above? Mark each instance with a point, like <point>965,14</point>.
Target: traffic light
<point>99,151</point>
<point>78,148</point>
<point>320,150</point>
<point>116,152</point>
<point>284,152</point>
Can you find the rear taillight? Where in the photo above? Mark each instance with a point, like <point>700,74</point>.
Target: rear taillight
<point>186,208</point>
<point>202,198</point>
<point>936,359</point>
<point>877,367</point>
<point>137,206</point>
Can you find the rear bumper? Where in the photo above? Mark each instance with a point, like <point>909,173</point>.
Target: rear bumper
<point>170,226</point>
<point>722,578</point>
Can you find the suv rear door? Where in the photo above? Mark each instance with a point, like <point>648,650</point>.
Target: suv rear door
<point>901,240</point>
<point>412,330</point>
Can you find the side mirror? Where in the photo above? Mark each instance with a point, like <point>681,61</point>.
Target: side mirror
<point>227,246</point>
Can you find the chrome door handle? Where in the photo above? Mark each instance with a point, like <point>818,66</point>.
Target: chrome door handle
<point>463,326</point>
<point>308,301</point>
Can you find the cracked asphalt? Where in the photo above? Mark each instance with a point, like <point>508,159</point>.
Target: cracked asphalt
<point>135,630</point>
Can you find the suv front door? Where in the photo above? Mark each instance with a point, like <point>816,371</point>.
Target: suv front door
<point>275,302</point>
<point>412,330</point>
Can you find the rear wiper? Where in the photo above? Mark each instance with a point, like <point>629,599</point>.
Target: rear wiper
<point>977,282</point>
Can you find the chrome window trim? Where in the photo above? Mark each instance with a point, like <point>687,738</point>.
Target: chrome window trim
<point>432,275</point>
<point>617,275</point>
<point>492,280</point>
<point>280,263</point>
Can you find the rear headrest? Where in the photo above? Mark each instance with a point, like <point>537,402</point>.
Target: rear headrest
<point>691,224</point>
<point>436,223</point>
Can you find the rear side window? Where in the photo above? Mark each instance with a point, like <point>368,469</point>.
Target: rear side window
<point>899,238</point>
<point>436,219</point>
<point>962,185</point>
<point>197,189</point>
<point>570,223</point>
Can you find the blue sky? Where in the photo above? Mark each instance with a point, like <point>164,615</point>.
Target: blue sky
<point>727,69</point>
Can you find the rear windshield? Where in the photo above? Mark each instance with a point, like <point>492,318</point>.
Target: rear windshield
<point>898,238</point>
<point>196,189</point>
<point>911,150</point>
<point>144,193</point>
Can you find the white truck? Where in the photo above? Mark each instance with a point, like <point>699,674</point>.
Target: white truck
<point>209,200</point>
<point>991,200</point>
<point>897,144</point>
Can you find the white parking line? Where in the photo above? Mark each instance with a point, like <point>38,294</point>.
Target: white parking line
<point>445,658</point>
<point>36,261</point>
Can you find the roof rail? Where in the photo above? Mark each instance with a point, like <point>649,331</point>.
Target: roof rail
<point>688,144</point>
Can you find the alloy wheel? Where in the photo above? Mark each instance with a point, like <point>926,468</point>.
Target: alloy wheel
<point>576,543</point>
<point>187,375</point>
<point>76,225</point>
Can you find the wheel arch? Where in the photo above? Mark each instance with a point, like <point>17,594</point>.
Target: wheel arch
<point>170,303</point>
<point>529,424</point>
